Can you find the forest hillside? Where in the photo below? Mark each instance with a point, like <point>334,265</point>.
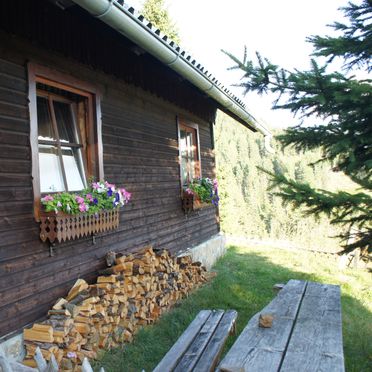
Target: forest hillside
<point>248,209</point>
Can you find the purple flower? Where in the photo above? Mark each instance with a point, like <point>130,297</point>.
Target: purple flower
<point>117,197</point>
<point>59,204</point>
<point>215,200</point>
<point>109,192</point>
<point>95,201</point>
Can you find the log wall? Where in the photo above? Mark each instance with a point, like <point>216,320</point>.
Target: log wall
<point>140,152</point>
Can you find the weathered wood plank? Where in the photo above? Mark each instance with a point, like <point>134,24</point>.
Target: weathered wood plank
<point>261,349</point>
<point>316,341</point>
<point>212,352</point>
<point>172,357</point>
<point>12,69</point>
<point>194,351</point>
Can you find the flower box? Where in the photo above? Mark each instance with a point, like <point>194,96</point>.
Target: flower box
<point>200,193</point>
<point>192,203</point>
<point>62,226</point>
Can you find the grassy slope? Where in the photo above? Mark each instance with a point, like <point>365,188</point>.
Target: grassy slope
<point>244,282</point>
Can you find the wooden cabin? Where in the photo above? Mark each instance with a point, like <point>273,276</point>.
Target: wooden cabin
<point>121,113</point>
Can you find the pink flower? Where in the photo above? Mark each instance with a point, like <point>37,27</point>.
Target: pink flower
<point>126,195</point>
<point>189,191</point>
<point>59,204</point>
<point>110,185</point>
<point>79,199</point>
<point>96,185</point>
<point>83,207</point>
<point>47,198</point>
<point>215,184</point>
<point>99,187</point>
<point>89,197</point>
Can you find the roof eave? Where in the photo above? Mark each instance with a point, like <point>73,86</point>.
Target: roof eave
<point>128,22</point>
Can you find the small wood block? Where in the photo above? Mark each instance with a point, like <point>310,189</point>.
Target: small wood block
<point>106,279</point>
<point>265,320</point>
<point>278,286</point>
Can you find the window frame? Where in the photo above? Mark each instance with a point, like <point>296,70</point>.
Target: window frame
<point>94,151</point>
<point>190,127</point>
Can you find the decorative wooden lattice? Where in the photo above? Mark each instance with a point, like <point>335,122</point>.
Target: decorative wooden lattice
<point>62,227</point>
<point>191,203</point>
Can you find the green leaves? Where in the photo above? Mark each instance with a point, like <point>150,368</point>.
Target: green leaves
<point>156,13</point>
<point>339,108</point>
<point>355,43</point>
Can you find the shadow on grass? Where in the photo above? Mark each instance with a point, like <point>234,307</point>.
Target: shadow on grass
<point>244,283</point>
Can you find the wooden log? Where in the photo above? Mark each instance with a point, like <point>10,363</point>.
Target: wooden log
<point>79,286</point>
<point>39,332</point>
<point>59,304</point>
<point>107,279</point>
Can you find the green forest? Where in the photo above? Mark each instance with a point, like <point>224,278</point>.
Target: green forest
<point>248,209</point>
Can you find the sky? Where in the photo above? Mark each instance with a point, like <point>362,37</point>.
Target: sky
<point>277,29</point>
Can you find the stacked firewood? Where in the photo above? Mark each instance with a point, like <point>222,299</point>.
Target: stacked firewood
<point>133,292</point>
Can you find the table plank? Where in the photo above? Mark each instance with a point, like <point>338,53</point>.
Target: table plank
<point>261,349</point>
<point>210,356</point>
<point>172,357</point>
<point>194,351</point>
<point>316,341</point>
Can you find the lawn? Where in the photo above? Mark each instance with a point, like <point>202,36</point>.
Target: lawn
<point>244,282</point>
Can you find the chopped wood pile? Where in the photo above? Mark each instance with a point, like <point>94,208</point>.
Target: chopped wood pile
<point>133,292</point>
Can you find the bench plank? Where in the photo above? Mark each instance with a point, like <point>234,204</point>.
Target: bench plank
<point>172,357</point>
<point>261,349</point>
<point>194,351</point>
<point>316,341</point>
<point>212,352</point>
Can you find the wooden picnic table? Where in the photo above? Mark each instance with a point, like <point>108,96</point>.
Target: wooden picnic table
<point>199,347</point>
<point>306,333</point>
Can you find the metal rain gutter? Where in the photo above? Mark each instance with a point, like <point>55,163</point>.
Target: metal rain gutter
<point>124,21</point>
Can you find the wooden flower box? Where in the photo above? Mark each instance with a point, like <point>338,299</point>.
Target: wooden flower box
<point>192,203</point>
<point>61,226</point>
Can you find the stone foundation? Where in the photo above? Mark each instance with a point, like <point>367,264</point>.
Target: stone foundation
<point>12,347</point>
<point>209,251</point>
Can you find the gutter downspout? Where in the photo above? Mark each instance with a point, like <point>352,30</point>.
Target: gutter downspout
<point>111,12</point>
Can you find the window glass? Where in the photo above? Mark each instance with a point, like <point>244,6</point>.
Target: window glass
<point>189,154</point>
<point>51,178</point>
<point>65,122</point>
<point>72,162</point>
<point>45,129</point>
<point>61,155</point>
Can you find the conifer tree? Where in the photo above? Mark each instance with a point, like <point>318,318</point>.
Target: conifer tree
<point>339,106</point>
<point>156,12</point>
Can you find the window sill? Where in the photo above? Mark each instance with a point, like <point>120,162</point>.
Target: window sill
<point>62,227</point>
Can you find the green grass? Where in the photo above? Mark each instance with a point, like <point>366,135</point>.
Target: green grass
<point>244,282</point>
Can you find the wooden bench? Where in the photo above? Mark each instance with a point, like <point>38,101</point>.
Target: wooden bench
<point>199,347</point>
<point>306,333</point>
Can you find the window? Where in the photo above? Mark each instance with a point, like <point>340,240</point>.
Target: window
<point>65,133</point>
<point>189,152</point>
